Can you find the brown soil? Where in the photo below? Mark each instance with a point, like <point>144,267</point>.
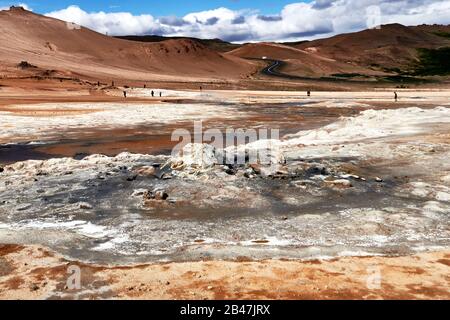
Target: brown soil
<point>36,273</point>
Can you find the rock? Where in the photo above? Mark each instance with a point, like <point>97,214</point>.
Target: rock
<point>446,178</point>
<point>210,288</point>
<point>230,172</point>
<point>256,168</point>
<point>24,207</point>
<point>158,195</point>
<point>377,179</point>
<point>161,195</point>
<point>139,192</point>
<point>283,170</point>
<point>146,171</point>
<point>85,206</point>
<point>443,196</point>
<point>34,287</point>
<point>1,169</point>
<point>347,176</point>
<point>269,171</point>
<point>340,183</point>
<point>132,177</point>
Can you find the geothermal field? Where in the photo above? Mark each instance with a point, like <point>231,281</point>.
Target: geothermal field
<point>354,181</point>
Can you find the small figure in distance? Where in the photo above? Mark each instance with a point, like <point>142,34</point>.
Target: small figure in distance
<point>308,93</point>
<point>113,84</point>
<point>124,94</point>
<point>160,94</point>
<point>153,93</point>
<point>201,88</point>
<point>145,86</point>
<point>395,96</point>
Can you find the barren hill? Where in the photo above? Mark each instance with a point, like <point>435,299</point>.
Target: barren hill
<point>389,47</point>
<point>53,44</point>
<point>298,62</point>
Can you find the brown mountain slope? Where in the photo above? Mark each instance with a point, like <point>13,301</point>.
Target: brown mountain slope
<point>299,62</point>
<point>392,46</point>
<point>53,44</point>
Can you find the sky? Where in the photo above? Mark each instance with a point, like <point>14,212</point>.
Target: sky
<point>240,20</point>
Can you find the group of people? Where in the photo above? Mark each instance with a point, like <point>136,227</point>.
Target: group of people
<point>308,93</point>
<point>153,93</point>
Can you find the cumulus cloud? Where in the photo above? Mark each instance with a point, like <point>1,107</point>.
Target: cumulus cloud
<point>118,23</point>
<point>296,21</point>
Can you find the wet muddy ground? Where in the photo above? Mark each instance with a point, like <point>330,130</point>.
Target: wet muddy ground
<point>156,138</point>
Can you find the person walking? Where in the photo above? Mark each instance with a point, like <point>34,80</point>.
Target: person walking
<point>124,94</point>
<point>308,93</point>
<point>153,93</point>
<point>395,96</point>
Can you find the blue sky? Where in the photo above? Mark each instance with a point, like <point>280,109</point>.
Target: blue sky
<point>159,7</point>
<point>240,20</point>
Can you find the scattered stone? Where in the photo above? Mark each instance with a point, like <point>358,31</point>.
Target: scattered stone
<point>34,287</point>
<point>347,176</point>
<point>24,207</point>
<point>26,65</point>
<point>146,171</point>
<point>139,192</point>
<point>132,177</point>
<point>161,195</point>
<point>158,195</point>
<point>378,179</point>
<point>283,171</point>
<point>85,206</point>
<point>256,168</point>
<point>210,288</point>
<point>443,196</point>
<point>1,169</point>
<point>340,183</point>
<point>230,172</point>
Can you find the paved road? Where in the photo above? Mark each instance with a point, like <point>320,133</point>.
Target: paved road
<point>272,70</point>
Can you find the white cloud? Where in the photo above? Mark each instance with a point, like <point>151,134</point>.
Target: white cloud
<point>118,23</point>
<point>296,21</point>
